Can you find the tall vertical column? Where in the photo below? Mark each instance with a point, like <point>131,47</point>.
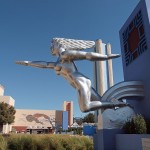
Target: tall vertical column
<point>99,70</point>
<point>110,80</point>
<point>99,81</point>
<point>68,106</point>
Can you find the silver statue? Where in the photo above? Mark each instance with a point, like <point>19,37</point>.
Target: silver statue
<point>67,51</point>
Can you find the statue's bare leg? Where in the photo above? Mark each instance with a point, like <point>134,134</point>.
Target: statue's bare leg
<point>84,95</point>
<point>86,92</point>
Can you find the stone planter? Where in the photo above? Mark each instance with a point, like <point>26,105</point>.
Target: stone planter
<point>132,141</point>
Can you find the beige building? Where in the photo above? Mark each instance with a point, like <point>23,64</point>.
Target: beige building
<point>27,120</point>
<point>7,99</point>
<point>37,120</point>
<point>68,106</point>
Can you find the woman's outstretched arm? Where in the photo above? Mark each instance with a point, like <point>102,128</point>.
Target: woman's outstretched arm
<point>80,55</point>
<point>38,64</point>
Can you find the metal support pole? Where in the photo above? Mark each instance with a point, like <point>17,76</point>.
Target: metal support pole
<point>99,81</point>
<point>99,70</point>
<point>110,80</point>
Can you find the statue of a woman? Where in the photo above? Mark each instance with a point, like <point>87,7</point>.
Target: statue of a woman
<point>88,98</point>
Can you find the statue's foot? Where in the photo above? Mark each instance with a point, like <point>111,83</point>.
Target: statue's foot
<point>111,56</point>
<point>119,104</point>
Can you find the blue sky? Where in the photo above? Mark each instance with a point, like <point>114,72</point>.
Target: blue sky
<point>26,29</point>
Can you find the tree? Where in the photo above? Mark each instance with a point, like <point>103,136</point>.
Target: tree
<point>7,113</point>
<point>89,118</point>
<point>78,120</point>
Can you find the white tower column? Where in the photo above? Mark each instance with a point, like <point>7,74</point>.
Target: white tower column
<point>99,81</point>
<point>110,80</point>
<point>99,70</point>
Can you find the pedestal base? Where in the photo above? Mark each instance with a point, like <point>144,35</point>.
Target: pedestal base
<point>105,139</point>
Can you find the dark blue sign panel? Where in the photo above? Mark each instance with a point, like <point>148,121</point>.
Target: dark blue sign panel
<point>135,47</point>
<point>65,120</point>
<point>134,40</point>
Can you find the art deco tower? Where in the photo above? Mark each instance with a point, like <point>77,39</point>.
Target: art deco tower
<point>68,106</point>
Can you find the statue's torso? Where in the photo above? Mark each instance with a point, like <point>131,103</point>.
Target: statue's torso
<point>69,71</point>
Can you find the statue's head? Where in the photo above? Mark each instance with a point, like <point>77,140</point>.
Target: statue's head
<point>56,47</point>
<point>54,50</point>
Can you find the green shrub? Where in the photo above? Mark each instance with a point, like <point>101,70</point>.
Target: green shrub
<point>3,143</point>
<point>20,142</point>
<point>137,125</point>
<point>48,142</point>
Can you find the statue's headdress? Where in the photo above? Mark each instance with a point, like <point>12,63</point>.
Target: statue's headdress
<point>72,44</point>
